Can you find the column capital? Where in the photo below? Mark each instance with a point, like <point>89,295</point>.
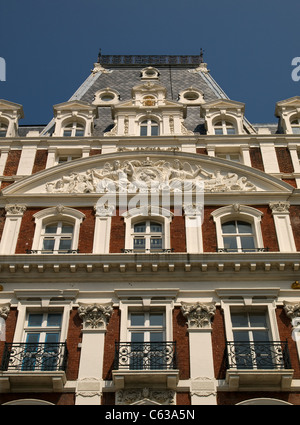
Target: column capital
<point>199,315</point>
<point>279,207</point>
<point>15,209</point>
<point>95,316</point>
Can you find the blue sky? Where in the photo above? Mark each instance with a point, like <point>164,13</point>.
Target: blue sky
<point>49,46</point>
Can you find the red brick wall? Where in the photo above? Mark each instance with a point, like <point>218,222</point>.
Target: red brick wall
<point>60,399</point>
<point>112,335</point>
<point>40,160</point>
<point>202,151</point>
<point>95,152</point>
<point>86,234</point>
<point>10,326</point>
<point>73,339</point>
<point>268,228</point>
<point>209,230</point>
<point>177,232</point>
<point>2,220</point>
<point>117,239</point>
<point>12,163</point>
<point>181,336</point>
<point>284,160</point>
<point>256,159</point>
<point>295,222</point>
<point>26,231</point>
<point>183,399</point>
<point>292,182</point>
<point>219,344</point>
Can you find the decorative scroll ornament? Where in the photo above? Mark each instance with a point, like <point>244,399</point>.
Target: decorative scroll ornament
<point>131,396</point>
<point>4,311</point>
<point>279,207</point>
<point>149,176</point>
<point>199,315</point>
<point>15,209</point>
<point>292,310</point>
<point>95,316</point>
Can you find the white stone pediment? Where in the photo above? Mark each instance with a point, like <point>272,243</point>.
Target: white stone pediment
<point>143,172</point>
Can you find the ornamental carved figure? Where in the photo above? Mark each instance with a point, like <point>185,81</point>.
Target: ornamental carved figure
<point>199,315</point>
<point>145,176</point>
<point>292,310</point>
<point>95,316</point>
<point>4,311</point>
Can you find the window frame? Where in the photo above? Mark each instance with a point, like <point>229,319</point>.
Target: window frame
<point>149,126</point>
<point>74,125</point>
<point>224,124</point>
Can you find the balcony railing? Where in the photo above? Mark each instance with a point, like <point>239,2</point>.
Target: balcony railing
<point>242,249</point>
<point>34,357</point>
<point>145,356</point>
<point>147,251</point>
<point>257,355</point>
<point>52,251</point>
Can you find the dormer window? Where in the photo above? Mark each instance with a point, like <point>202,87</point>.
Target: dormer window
<point>149,128</point>
<point>74,129</point>
<point>224,127</point>
<point>295,124</point>
<point>149,73</point>
<point>3,130</point>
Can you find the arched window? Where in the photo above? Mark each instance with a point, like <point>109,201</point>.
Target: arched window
<point>74,129</point>
<point>238,236</point>
<point>149,127</point>
<point>224,127</point>
<point>57,238</point>
<point>295,124</point>
<point>3,129</point>
<point>147,236</point>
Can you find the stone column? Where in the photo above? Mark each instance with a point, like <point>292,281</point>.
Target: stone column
<point>199,318</point>
<point>292,310</point>
<point>89,385</point>
<point>102,228</point>
<point>4,311</point>
<point>14,214</point>
<point>193,227</point>
<point>284,232</point>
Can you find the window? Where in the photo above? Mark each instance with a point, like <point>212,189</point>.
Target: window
<point>147,236</point>
<point>238,236</point>
<point>147,336</point>
<point>42,337</point>
<point>149,128</point>
<point>229,156</point>
<point>251,340</point>
<point>74,130</point>
<point>57,238</point>
<point>295,124</point>
<point>66,158</point>
<point>224,127</point>
<point>3,130</point>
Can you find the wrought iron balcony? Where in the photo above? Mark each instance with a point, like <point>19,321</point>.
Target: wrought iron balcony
<point>46,357</point>
<point>145,356</point>
<point>52,251</point>
<point>257,355</point>
<point>147,251</point>
<point>248,250</point>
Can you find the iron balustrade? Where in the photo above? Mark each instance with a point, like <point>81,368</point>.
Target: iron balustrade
<point>242,250</point>
<point>145,355</point>
<point>147,251</point>
<point>34,356</point>
<point>52,251</point>
<point>257,355</point>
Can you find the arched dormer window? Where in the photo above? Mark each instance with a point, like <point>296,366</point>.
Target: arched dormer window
<point>224,127</point>
<point>57,230</point>
<point>238,229</point>
<point>73,129</point>
<point>149,127</point>
<point>3,129</point>
<point>295,124</point>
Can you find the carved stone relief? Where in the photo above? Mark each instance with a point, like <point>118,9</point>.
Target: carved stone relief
<point>131,396</point>
<point>95,316</point>
<point>198,315</point>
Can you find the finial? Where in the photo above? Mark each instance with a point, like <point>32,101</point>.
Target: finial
<point>99,56</point>
<point>201,55</point>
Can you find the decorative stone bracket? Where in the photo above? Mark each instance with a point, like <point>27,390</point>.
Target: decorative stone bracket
<point>95,316</point>
<point>199,315</point>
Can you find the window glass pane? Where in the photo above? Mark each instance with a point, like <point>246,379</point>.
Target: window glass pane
<point>230,243</point>
<point>156,336</point>
<point>247,243</point>
<point>258,319</point>
<point>156,319</point>
<point>79,133</point>
<point>260,336</point>
<point>239,320</point>
<point>242,336</point>
<point>51,228</point>
<point>32,338</point>
<point>140,228</point>
<point>2,133</point>
<point>218,131</point>
<point>139,243</point>
<point>155,227</point>
<point>234,157</point>
<point>48,244</point>
<point>137,319</point>
<point>229,227</point>
<point>35,319</point>
<point>244,227</point>
<point>230,130</point>
<point>137,337</point>
<point>66,228</point>
<point>154,130</point>
<point>52,337</point>
<point>296,130</point>
<point>62,159</point>
<point>143,131</point>
<point>65,244</point>
<point>54,319</point>
<point>67,133</point>
<point>155,243</point>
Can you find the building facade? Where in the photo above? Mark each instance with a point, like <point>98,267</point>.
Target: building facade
<point>150,239</point>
